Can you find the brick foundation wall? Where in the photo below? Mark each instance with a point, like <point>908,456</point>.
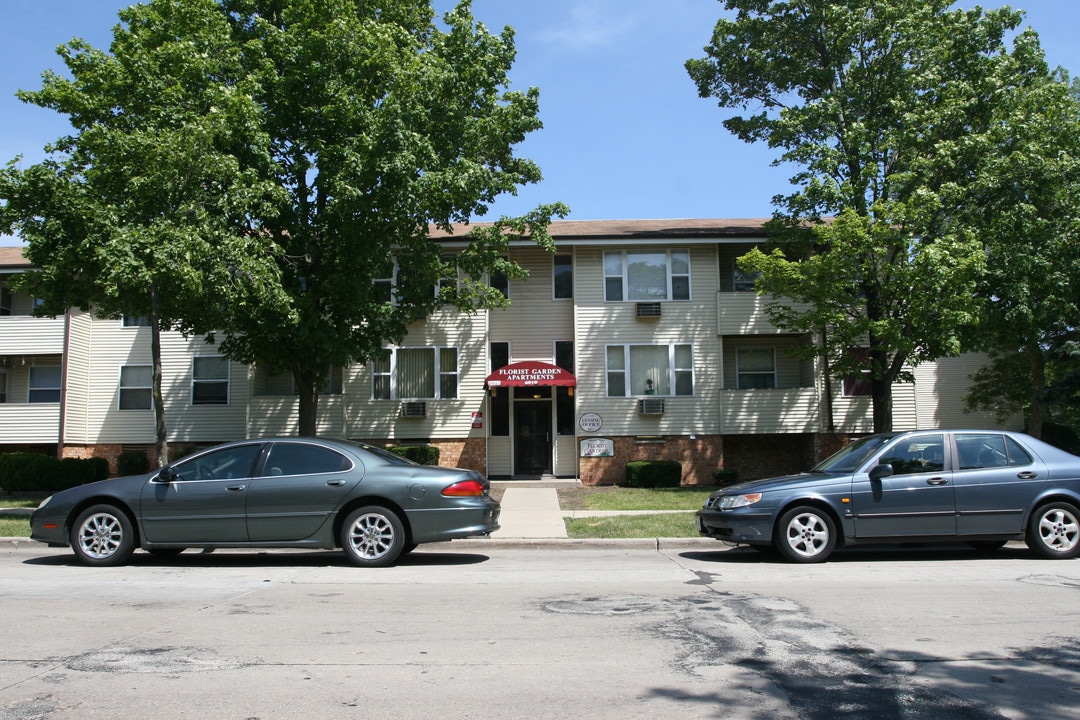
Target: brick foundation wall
<point>699,458</point>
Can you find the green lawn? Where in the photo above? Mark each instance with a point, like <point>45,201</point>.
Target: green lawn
<point>666,525</point>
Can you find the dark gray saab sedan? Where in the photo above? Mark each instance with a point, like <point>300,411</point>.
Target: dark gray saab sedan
<point>274,493</point>
<point>978,487</point>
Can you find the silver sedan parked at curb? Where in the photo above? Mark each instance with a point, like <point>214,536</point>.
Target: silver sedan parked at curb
<point>300,493</point>
<point>978,487</point>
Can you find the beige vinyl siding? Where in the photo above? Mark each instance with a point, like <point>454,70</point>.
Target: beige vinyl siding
<point>499,458</point>
<point>692,322</point>
<point>534,320</point>
<point>446,418</point>
<point>941,387</point>
<point>77,389</point>
<point>114,346</point>
<point>566,456</point>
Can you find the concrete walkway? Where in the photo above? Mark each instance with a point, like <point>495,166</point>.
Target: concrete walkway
<point>530,513</point>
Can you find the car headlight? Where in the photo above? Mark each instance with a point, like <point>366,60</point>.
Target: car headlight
<point>730,502</point>
<point>44,502</point>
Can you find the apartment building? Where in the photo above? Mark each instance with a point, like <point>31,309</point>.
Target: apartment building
<point>637,339</point>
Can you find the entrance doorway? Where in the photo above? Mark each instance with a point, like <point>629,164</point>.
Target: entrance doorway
<point>532,437</point>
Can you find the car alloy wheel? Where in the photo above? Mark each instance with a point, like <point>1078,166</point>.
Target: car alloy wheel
<point>102,535</point>
<point>806,535</point>
<point>1054,531</point>
<point>373,536</point>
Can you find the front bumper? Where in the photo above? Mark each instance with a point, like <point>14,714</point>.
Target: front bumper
<point>735,526</point>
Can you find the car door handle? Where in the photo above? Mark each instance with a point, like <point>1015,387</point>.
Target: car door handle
<point>335,483</point>
<point>1027,475</point>
<point>937,481</point>
<point>234,488</point>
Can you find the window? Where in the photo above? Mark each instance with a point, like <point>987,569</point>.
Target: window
<point>395,284</point>
<point>44,384</point>
<point>3,385</point>
<point>136,387</point>
<point>294,458</point>
<point>564,396</point>
<point>210,380</point>
<point>922,454</point>
<point>499,404</point>
<point>135,321</point>
<point>563,276</point>
<point>858,384</point>
<point>415,373</point>
<point>755,368</point>
<point>500,281</point>
<point>645,276</point>
<point>744,281</point>
<point>634,370</point>
<point>229,463</point>
<point>5,300</point>
<point>989,450</point>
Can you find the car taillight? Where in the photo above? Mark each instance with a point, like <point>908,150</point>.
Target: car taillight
<point>465,488</point>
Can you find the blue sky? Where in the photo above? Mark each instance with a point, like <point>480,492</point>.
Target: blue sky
<point>625,135</point>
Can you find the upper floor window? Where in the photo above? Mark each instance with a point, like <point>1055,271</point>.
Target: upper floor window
<point>563,276</point>
<point>136,321</point>
<point>397,284</point>
<point>639,275</point>
<point>500,282</point>
<point>5,300</point>
<point>650,370</point>
<point>210,380</point>
<point>136,387</point>
<point>755,368</point>
<point>858,384</point>
<point>416,373</point>
<point>44,384</point>
<point>3,385</point>
<point>744,281</point>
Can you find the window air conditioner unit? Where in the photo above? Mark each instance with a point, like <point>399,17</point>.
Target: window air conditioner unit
<point>651,406</point>
<point>414,409</point>
<point>648,310</point>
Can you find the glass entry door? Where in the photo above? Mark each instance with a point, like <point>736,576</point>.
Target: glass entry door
<point>532,437</point>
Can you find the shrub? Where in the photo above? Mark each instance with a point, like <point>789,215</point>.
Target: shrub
<point>724,476</point>
<point>653,474</point>
<point>422,454</point>
<point>100,467</point>
<point>28,472</point>
<point>132,462</point>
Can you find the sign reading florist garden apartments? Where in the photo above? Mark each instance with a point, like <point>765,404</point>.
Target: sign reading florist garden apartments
<point>524,374</point>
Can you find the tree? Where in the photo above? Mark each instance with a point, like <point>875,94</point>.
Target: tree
<point>382,125</point>
<point>1025,204</point>
<point>876,103</point>
<point>144,210</point>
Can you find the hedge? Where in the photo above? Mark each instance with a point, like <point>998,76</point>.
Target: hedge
<point>132,462</point>
<point>653,474</point>
<point>34,472</point>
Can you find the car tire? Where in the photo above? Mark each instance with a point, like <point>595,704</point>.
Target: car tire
<point>1054,531</point>
<point>373,536</point>
<point>102,536</point>
<point>805,535</point>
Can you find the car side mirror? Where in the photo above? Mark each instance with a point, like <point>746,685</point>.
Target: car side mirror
<point>166,474</point>
<point>882,470</point>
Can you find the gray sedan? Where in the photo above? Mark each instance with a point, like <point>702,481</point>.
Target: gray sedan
<point>274,493</point>
<point>978,487</point>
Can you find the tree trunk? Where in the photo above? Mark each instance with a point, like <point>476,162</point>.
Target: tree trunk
<point>161,447</point>
<point>306,385</point>
<point>881,379</point>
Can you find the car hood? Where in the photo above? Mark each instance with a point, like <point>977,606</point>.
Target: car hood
<point>785,482</point>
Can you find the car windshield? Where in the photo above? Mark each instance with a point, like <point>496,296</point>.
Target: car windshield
<point>851,457</point>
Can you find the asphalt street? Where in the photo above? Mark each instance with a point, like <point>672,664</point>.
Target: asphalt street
<point>541,629</point>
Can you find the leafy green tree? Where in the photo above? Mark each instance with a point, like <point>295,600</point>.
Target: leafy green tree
<point>382,124</point>
<point>145,209</point>
<point>1025,205</point>
<point>876,104</point>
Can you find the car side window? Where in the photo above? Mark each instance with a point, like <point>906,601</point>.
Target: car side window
<point>1017,454</point>
<point>232,462</point>
<point>287,458</point>
<point>921,454</point>
<point>982,450</point>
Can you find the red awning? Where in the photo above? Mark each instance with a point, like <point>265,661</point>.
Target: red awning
<point>522,374</point>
